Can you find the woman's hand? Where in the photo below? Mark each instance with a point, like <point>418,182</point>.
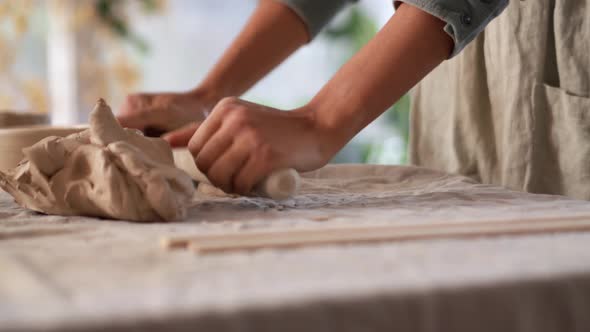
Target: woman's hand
<point>241,142</point>
<point>272,33</point>
<point>164,112</point>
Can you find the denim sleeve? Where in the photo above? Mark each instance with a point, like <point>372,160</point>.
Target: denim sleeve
<point>316,13</point>
<point>464,19</point>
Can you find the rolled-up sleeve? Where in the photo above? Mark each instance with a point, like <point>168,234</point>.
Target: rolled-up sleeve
<point>316,13</point>
<point>464,19</point>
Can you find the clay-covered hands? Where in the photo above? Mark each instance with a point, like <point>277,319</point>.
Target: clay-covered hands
<point>241,142</point>
<point>165,112</point>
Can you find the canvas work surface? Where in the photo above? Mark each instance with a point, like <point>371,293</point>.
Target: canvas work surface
<point>77,273</point>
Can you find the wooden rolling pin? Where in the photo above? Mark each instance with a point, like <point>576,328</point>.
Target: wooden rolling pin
<point>279,185</point>
<point>389,233</point>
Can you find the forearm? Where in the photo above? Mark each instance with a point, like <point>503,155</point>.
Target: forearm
<point>408,47</point>
<point>271,34</point>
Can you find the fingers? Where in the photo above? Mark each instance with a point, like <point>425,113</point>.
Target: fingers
<point>203,145</point>
<point>223,170</point>
<point>215,147</point>
<point>230,148</point>
<point>131,121</point>
<point>140,118</point>
<point>143,112</point>
<point>252,172</point>
<point>131,113</point>
<point>203,134</point>
<point>180,137</point>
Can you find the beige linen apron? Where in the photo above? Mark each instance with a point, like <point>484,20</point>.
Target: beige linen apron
<point>513,108</point>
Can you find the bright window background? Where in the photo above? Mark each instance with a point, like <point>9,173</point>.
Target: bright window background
<point>65,56</point>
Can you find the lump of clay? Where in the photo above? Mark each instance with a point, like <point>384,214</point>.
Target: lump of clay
<point>105,171</point>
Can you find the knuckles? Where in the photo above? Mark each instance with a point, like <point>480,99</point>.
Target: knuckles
<point>130,99</point>
<point>217,179</point>
<point>238,116</point>
<point>265,153</point>
<point>136,100</point>
<point>192,147</point>
<point>202,164</point>
<point>129,104</point>
<point>250,137</point>
<point>238,119</point>
<point>241,187</point>
<point>228,101</point>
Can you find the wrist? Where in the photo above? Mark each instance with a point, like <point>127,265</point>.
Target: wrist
<point>326,139</point>
<point>207,96</point>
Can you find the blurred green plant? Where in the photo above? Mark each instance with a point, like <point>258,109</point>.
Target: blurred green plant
<point>399,116</point>
<point>112,15</point>
<point>358,29</point>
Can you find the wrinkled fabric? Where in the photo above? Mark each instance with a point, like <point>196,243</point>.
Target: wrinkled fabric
<point>316,14</point>
<point>66,274</point>
<point>464,18</point>
<point>514,108</point>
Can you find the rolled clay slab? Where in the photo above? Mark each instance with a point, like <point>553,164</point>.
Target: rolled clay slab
<point>279,185</point>
<point>14,140</point>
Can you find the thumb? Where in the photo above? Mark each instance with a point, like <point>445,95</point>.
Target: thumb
<point>180,137</point>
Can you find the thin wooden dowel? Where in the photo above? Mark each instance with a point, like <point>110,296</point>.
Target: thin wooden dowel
<point>344,235</point>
